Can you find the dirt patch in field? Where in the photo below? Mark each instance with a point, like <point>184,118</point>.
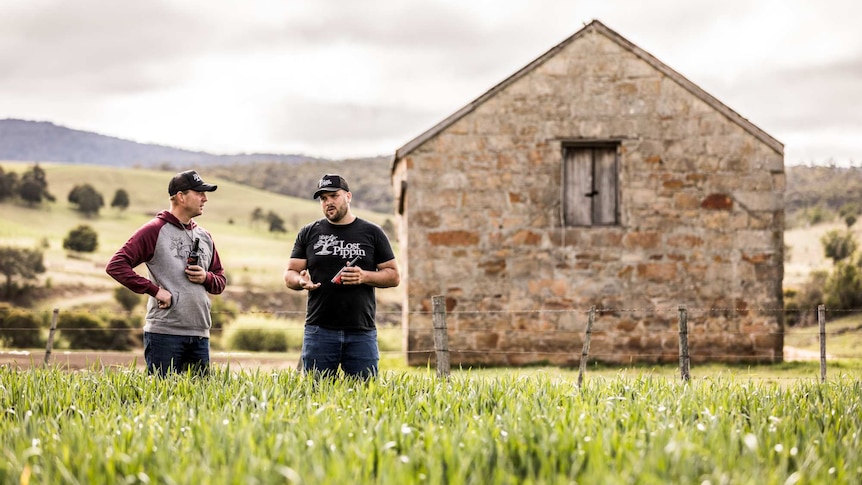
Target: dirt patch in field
<point>793,354</point>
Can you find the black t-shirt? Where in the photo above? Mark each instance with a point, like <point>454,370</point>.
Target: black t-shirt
<point>327,248</point>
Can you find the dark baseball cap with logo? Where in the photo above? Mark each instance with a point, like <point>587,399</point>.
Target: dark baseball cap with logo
<point>331,183</point>
<point>189,180</point>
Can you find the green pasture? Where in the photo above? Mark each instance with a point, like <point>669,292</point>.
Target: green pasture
<point>121,426</point>
<point>253,256</point>
<point>843,336</point>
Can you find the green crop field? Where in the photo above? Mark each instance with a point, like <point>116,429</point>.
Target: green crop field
<point>122,426</point>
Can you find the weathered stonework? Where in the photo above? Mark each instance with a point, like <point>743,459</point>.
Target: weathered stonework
<point>701,219</point>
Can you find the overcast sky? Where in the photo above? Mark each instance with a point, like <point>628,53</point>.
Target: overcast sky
<point>352,78</point>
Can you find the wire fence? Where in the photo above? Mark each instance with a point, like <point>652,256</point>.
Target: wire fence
<point>580,327</point>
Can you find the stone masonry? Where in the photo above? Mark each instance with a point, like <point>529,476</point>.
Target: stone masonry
<point>701,219</point>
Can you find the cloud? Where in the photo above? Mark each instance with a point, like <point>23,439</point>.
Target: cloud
<point>813,90</point>
<point>817,106</point>
<point>96,46</point>
<point>342,78</point>
<point>341,125</point>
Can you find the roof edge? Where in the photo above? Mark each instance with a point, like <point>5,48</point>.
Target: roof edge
<point>698,92</point>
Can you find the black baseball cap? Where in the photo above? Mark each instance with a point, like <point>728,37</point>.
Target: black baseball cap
<point>189,180</point>
<point>330,183</point>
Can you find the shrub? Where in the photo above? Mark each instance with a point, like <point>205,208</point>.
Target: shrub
<point>87,198</point>
<point>838,245</point>
<point>276,223</point>
<point>843,289</point>
<point>127,298</point>
<point>33,186</point>
<point>801,306</point>
<point>223,312</point>
<point>126,333</point>
<point>816,215</point>
<point>19,329</point>
<point>18,263</point>
<point>84,331</point>
<point>259,340</point>
<point>83,239</point>
<point>121,199</point>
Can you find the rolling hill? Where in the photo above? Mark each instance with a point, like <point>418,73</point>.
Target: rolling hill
<point>44,141</point>
<point>295,175</point>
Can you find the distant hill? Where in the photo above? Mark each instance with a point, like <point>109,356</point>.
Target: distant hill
<point>820,193</point>
<point>43,141</point>
<point>294,175</point>
<point>810,191</point>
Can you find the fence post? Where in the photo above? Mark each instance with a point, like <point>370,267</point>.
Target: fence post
<point>684,360</point>
<point>50,345</point>
<point>441,335</point>
<point>821,320</point>
<point>586,351</point>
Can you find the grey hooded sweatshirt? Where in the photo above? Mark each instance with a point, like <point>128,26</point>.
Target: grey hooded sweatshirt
<point>163,244</point>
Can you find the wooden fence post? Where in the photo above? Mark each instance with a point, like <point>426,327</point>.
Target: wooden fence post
<point>50,345</point>
<point>821,320</point>
<point>586,351</point>
<point>441,335</point>
<point>684,360</point>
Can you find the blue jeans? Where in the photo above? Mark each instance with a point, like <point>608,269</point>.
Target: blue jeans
<point>355,350</point>
<point>176,353</point>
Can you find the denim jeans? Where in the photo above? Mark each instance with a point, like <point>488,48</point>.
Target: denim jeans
<point>356,351</point>
<point>176,353</point>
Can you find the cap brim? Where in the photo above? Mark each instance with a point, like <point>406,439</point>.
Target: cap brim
<point>205,188</point>
<point>317,194</point>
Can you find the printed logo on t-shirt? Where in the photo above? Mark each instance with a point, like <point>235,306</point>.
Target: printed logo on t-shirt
<point>328,244</point>
<point>182,247</point>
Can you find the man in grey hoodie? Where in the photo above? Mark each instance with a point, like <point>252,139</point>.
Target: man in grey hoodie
<point>183,266</point>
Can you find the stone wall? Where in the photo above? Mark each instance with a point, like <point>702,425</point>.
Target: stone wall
<point>701,222</point>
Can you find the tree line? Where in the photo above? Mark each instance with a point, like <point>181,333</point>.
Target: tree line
<point>369,179</point>
<point>817,194</point>
<point>32,188</point>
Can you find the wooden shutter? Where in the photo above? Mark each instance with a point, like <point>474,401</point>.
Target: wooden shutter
<point>605,186</point>
<point>590,186</point>
<point>577,185</point>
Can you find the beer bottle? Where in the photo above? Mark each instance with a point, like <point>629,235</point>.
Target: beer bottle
<point>337,278</point>
<point>194,255</point>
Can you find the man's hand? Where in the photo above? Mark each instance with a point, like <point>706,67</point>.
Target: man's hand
<point>352,275</point>
<point>305,281</point>
<point>196,274</point>
<point>164,298</point>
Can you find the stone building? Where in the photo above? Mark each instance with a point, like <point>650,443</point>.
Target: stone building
<point>594,176</point>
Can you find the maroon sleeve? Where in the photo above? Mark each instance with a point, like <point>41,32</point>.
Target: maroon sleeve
<point>215,281</point>
<point>138,249</point>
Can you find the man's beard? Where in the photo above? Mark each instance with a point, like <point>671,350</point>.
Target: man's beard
<point>339,214</point>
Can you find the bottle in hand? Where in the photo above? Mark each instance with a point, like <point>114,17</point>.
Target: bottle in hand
<point>337,278</point>
<point>194,255</point>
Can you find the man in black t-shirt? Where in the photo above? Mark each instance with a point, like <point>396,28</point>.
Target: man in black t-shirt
<point>340,259</point>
